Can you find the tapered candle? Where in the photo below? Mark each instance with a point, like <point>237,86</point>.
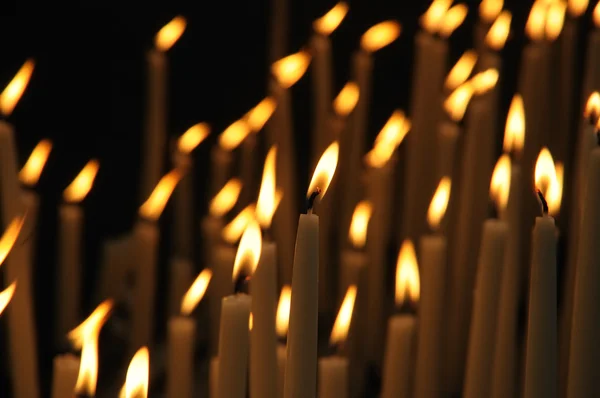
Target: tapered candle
<point>181,274</point>
<point>400,345</point>
<point>136,381</point>
<point>300,371</point>
<point>282,323</point>
<point>488,12</point>
<point>64,375</point>
<point>146,236</point>
<point>181,340</point>
<point>155,133</point>
<point>116,265</point>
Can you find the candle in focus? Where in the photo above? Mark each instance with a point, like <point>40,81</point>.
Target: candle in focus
<point>282,323</point>
<point>64,375</point>
<point>136,381</point>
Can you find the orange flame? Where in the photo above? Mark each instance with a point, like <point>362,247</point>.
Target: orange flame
<point>30,173</point>
<point>15,89</point>
<point>498,33</point>
<point>249,250</point>
<point>577,7</point>
<point>233,231</point>
<point>331,20</point>
<point>555,19</point>
<point>536,21</point>
<point>136,382</point>
<point>484,81</point>
<point>282,321</point>
<point>325,170</point>
<point>168,35</point>
<point>226,198</point>
<point>266,204</point>
<point>344,317</point>
<point>514,133</point>
<point>549,180</point>
<point>453,19</point>
<point>389,138</point>
<point>408,285</point>
<point>360,223</point>
<point>439,203</point>
<point>290,69</point>
<point>592,107</point>
<point>596,16</point>
<point>461,71</point>
<point>6,295</point>
<point>434,16</point>
<point>9,237</point>
<point>82,184</point>
<point>346,100</point>
<point>456,103</point>
<point>192,137</point>
<point>233,135</point>
<point>490,9</point>
<point>258,116</point>
<point>195,293</point>
<point>380,35</point>
<point>154,206</point>
<point>500,184</point>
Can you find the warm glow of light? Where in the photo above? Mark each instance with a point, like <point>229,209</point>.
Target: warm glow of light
<point>195,293</point>
<point>360,223</point>
<point>233,135</point>
<point>498,33</point>
<point>330,21</point>
<point>484,81</point>
<point>555,19</point>
<point>154,206</point>
<point>88,367</point>
<point>408,284</point>
<point>170,33</point>
<point>461,71</point>
<point>6,296</point>
<point>514,133</point>
<point>456,103</point>
<point>500,184</point>
<point>81,185</point>
<point>91,325</point>
<point>250,322</point>
<point>248,253</point>
<point>380,35</point>
<point>9,237</point>
<point>290,69</point>
<point>325,170</point>
<point>489,9</point>
<point>30,173</point>
<point>226,198</point>
<point>549,180</point>
<point>339,333</point>
<point>592,106</point>
<point>453,19</point>
<point>439,203</point>
<point>577,7</point>
<point>536,21</point>
<point>266,204</point>
<point>389,138</point>
<point>258,116</point>
<point>346,100</point>
<point>596,16</point>
<point>15,89</point>
<point>233,231</point>
<point>192,137</point>
<point>136,382</point>
<point>434,16</point>
<point>282,321</point>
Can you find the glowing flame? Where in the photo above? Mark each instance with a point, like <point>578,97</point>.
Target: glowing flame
<point>453,19</point>
<point>81,185</point>
<point>154,206</point>
<point>290,69</point>
<point>248,252</point>
<point>15,89</point>
<point>536,21</point>
<point>192,137</point>
<point>170,33</point>
<point>434,16</point>
<point>250,322</point>
<point>282,321</point>
<point>30,173</point>
<point>344,317</point>
<point>484,81</point>
<point>457,102</point>
<point>9,237</point>
<point>192,297</point>
<point>514,133</point>
<point>346,100</point>
<point>577,7</point>
<point>548,180</point>
<point>6,296</point>
<point>325,170</point>
<point>266,204</point>
<point>258,116</point>
<point>592,107</point>
<point>360,223</point>
<point>330,21</point>
<point>408,284</point>
<point>389,138</point>
<point>596,15</point>
<point>233,231</point>
<point>461,70</point>
<point>136,382</point>
<point>91,325</point>
<point>226,198</point>
<point>555,20</point>
<point>380,35</point>
<point>489,9</point>
<point>500,184</point>
<point>233,135</point>
<point>439,203</point>
<point>498,33</point>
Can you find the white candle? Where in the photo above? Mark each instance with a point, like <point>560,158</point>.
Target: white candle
<point>181,272</point>
<point>213,377</point>
<point>117,263</point>
<point>64,375</point>
<point>333,377</point>
<point>221,286</point>
<point>281,361</point>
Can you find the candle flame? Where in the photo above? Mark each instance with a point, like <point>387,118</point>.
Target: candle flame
<point>490,9</point>
<point>266,204</point>
<point>30,173</point>
<point>233,231</point>
<point>408,285</point>
<point>360,223</point>
<point>9,237</point>
<point>325,170</point>
<point>331,20</point>
<point>456,103</point>
<point>15,89</point>
<point>92,324</point>
<point>290,69</point>
<point>258,116</point>
<point>439,203</point>
<point>168,35</point>
<point>195,293</point>
<point>6,295</point>
<point>346,100</point>
<point>498,33</point>
<point>82,184</point>
<point>154,206</point>
<point>484,81</point>
<point>461,71</point>
<point>453,18</point>
<point>282,321</point>
<point>434,16</point>
<point>514,133</point>
<point>250,322</point>
<point>342,323</point>
<point>500,184</point>
<point>136,382</point>
<point>380,35</point>
<point>555,19</point>
<point>577,7</point>
<point>233,135</point>
<point>596,15</point>
<point>536,21</point>
<point>592,107</point>
<point>226,198</point>
<point>249,250</point>
<point>192,137</point>
<point>548,180</point>
<point>389,138</point>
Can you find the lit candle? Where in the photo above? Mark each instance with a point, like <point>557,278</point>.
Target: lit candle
<point>488,12</point>
<point>333,369</point>
<point>300,371</point>
<point>432,249</point>
<point>146,236</point>
<point>221,154</point>
<point>181,340</point>
<point>64,375</point>
<point>136,381</point>
<point>282,323</point>
<point>495,39</point>
<point>70,256</point>
<point>155,134</point>
<point>461,71</point>
<point>116,266</point>
<point>399,353</point>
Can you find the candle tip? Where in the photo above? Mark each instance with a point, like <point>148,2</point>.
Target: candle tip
<point>241,283</point>
<point>310,201</point>
<point>543,202</point>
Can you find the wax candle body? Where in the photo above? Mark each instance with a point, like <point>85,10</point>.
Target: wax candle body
<point>184,207</point>
<point>333,377</point>
<point>116,265</point>
<point>541,357</point>
<point>65,369</point>
<point>300,371</point>
<point>428,369</point>
<point>180,357</point>
<point>263,356</point>
<point>399,357</point>
<point>279,30</point>
<point>211,235</point>
<point>180,279</point>
<point>31,203</point>
<point>233,347</point>
<point>221,164</point>
<point>322,85</point>
<point>213,376</point>
<point>248,170</point>
<point>447,139</point>
<point>220,286</point>
<point>281,361</point>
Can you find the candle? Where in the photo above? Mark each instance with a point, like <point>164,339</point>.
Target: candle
<point>279,29</point>
<point>300,371</point>
<point>69,250</point>
<point>145,246</point>
<point>460,72</point>
<point>282,323</point>
<point>399,353</point>
<point>116,265</point>
<point>136,381</point>
<point>181,272</point>
<point>495,39</point>
<point>64,375</point>
<point>488,12</point>
<point>432,249</point>
<point>213,376</point>
<point>181,340</point>
<point>221,154</point>
<point>155,134</point>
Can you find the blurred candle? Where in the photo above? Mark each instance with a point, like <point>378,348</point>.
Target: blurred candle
<point>155,134</point>
<point>64,375</point>
<point>282,323</point>
<point>70,256</point>
<point>221,154</point>
<point>488,12</point>
<point>495,39</point>
<point>136,381</point>
<point>213,376</point>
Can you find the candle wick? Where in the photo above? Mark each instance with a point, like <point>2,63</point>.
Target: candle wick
<point>241,283</point>
<point>543,202</point>
<point>310,201</point>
